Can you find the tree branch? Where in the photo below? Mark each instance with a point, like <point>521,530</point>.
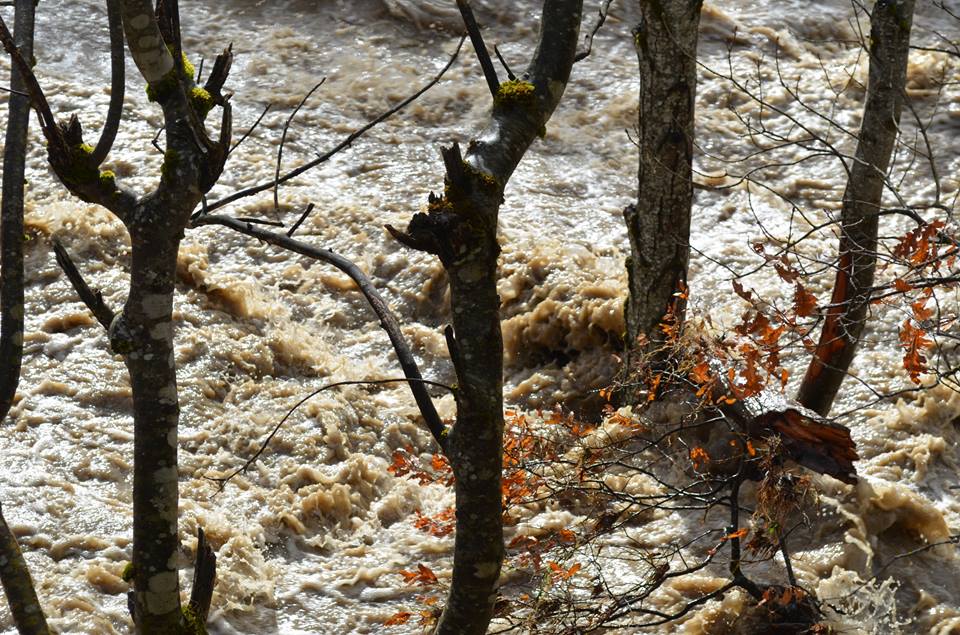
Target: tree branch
<point>387,320</point>
<point>346,143</point>
<point>92,299</point>
<point>17,584</point>
<point>117,84</point>
<point>473,29</point>
<point>11,217</point>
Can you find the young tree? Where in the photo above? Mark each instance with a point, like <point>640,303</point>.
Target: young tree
<point>658,225</point>
<point>846,316</point>
<point>143,331</point>
<point>14,575</point>
<point>460,228</point>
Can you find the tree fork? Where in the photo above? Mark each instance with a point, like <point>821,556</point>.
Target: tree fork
<point>460,228</point>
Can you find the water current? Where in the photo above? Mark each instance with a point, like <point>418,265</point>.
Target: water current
<point>310,539</point>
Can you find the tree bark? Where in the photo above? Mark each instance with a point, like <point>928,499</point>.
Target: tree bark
<point>15,576</point>
<point>143,331</point>
<point>847,313</point>
<point>659,223</point>
<point>11,215</point>
<point>18,586</point>
<point>460,228</point>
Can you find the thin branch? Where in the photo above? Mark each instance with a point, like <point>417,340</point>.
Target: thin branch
<point>283,139</point>
<point>473,29</point>
<point>387,320</point>
<point>263,446</point>
<point>92,299</point>
<point>117,84</point>
<point>588,39</point>
<point>503,63</point>
<point>252,128</point>
<point>340,146</point>
<point>300,220</point>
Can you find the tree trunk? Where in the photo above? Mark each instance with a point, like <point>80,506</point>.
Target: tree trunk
<point>461,229</point>
<point>17,584</point>
<point>847,313</point>
<point>144,331</point>
<point>11,215</point>
<point>659,223</point>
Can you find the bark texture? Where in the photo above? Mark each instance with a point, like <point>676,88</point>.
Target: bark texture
<point>11,216</point>
<point>659,223</point>
<point>847,313</point>
<point>460,228</point>
<point>17,584</point>
<point>143,331</point>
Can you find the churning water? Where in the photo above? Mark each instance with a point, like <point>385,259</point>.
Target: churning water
<point>310,539</point>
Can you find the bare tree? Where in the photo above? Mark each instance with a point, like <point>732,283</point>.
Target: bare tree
<point>17,583</point>
<point>659,223</point>
<point>846,316</point>
<point>461,229</point>
<point>143,331</point>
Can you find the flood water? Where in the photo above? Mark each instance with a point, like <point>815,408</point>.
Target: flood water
<point>310,539</point>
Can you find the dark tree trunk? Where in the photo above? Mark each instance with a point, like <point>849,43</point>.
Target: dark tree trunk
<point>143,331</point>
<point>659,223</point>
<point>17,584</point>
<point>847,313</point>
<point>11,215</point>
<point>461,229</point>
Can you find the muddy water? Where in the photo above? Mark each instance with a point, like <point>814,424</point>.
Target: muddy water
<point>310,538</point>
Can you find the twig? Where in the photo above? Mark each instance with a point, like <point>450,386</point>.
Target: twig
<point>387,320</point>
<point>588,39</point>
<point>250,191</point>
<point>260,221</point>
<point>263,446</point>
<point>252,128</point>
<point>503,63</point>
<point>156,138</point>
<point>300,220</point>
<point>473,29</point>
<point>283,139</point>
<point>92,299</point>
<point>738,578</point>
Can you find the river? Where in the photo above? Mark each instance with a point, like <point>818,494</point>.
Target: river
<point>310,539</point>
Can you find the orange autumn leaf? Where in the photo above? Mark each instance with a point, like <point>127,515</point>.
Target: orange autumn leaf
<point>426,575</point>
<point>422,576</point>
<point>804,302</point>
<point>920,310</point>
<point>914,342</point>
<point>699,457</point>
<point>901,285</point>
<point>439,462</point>
<point>700,373</point>
<point>396,619</point>
<point>560,573</point>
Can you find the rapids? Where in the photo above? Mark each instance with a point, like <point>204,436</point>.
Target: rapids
<point>309,540</point>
